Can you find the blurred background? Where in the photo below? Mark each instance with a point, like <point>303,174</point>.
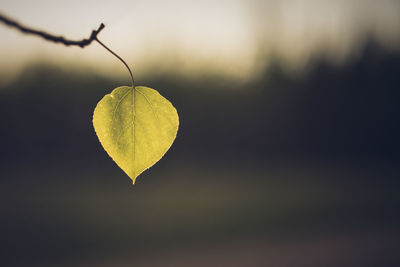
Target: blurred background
<point>288,152</point>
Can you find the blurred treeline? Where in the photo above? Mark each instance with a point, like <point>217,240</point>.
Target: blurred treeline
<point>347,112</point>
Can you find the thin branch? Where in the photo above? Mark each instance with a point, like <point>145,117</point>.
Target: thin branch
<point>47,36</point>
<point>60,39</point>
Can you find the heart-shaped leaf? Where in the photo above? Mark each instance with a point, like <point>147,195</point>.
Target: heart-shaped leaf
<point>136,126</point>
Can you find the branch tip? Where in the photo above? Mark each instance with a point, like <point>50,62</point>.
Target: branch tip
<point>50,37</point>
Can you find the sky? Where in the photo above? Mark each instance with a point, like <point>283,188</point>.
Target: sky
<point>231,38</point>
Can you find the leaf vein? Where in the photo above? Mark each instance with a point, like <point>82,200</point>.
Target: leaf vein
<point>118,104</point>
<point>151,106</point>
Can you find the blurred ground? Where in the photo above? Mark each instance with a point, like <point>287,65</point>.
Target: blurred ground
<point>193,213</point>
<point>280,171</point>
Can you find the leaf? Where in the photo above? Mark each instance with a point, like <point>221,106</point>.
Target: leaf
<point>136,127</point>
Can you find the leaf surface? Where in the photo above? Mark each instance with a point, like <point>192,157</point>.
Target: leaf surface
<point>136,127</point>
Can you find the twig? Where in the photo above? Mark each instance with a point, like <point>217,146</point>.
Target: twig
<point>61,39</point>
<point>47,36</point>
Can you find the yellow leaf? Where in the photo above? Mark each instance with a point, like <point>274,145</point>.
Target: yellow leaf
<point>136,127</point>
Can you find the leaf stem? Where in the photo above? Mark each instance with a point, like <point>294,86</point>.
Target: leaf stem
<point>123,61</point>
